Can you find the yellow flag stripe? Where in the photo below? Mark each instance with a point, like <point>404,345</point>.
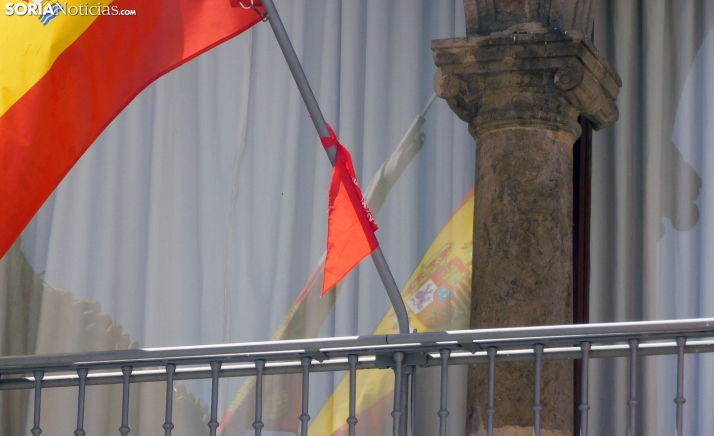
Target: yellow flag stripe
<point>445,259</point>
<point>28,48</point>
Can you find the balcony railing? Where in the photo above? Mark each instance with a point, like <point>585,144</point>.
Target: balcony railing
<point>399,353</point>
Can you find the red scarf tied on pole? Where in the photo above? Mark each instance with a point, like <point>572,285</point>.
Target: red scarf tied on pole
<point>350,224</point>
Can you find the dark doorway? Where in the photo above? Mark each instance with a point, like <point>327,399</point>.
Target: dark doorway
<point>582,169</point>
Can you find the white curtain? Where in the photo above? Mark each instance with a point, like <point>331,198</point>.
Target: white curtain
<point>652,204</point>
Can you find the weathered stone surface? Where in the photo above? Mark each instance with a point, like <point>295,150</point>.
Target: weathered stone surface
<point>523,267</point>
<point>518,431</point>
<point>523,228</point>
<point>520,80</point>
<point>484,17</point>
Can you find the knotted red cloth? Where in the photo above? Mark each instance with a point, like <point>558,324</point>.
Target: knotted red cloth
<point>350,224</point>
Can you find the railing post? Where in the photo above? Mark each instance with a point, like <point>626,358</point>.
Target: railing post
<point>39,375</point>
<point>82,373</point>
<point>632,402</point>
<point>397,412</point>
<point>412,399</point>
<point>305,417</point>
<point>168,425</point>
<point>213,423</point>
<point>124,429</point>
<point>584,406</point>
<point>258,424</point>
<point>490,409</point>
<point>352,419</point>
<point>443,410</point>
<point>679,400</point>
<point>538,350</point>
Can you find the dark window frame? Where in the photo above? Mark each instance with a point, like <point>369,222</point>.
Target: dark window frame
<point>582,176</point>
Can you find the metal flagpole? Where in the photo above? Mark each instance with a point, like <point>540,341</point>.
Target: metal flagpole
<point>318,120</point>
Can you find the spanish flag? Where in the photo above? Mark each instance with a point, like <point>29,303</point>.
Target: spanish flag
<point>68,68</point>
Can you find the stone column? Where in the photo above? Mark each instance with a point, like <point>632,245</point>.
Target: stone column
<point>520,79</point>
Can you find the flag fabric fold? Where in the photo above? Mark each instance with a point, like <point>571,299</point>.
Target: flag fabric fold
<point>350,224</point>
<point>62,81</point>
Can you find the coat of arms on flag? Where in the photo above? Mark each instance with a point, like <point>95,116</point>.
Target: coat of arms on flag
<point>443,293</point>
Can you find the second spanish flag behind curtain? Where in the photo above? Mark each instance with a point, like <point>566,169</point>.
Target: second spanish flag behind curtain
<point>350,225</point>
<point>65,76</point>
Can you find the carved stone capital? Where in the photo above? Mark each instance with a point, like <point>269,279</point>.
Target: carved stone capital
<point>543,80</point>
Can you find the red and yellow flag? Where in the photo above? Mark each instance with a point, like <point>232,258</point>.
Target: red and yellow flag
<point>69,68</point>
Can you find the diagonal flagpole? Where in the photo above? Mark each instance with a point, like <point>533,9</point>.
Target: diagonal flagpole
<point>297,323</point>
<point>318,120</point>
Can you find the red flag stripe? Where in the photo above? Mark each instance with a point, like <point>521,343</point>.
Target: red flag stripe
<point>46,132</point>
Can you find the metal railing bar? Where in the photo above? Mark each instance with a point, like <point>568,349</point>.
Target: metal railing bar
<point>352,418</point>
<point>160,375</point>
<point>597,352</point>
<point>124,429</point>
<point>36,430</point>
<point>365,362</point>
<point>82,373</point>
<point>168,425</point>
<point>213,423</point>
<point>632,402</point>
<point>343,346</point>
<point>161,356</point>
<point>668,328</point>
<point>538,351</point>
<point>184,362</point>
<point>397,412</point>
<point>258,424</point>
<point>584,406</point>
<point>491,409</point>
<point>305,416</point>
<point>412,400</point>
<point>526,342</point>
<point>679,400</point>
<point>645,350</point>
<point>443,410</point>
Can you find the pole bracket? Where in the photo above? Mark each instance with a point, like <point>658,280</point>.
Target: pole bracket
<point>263,17</point>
